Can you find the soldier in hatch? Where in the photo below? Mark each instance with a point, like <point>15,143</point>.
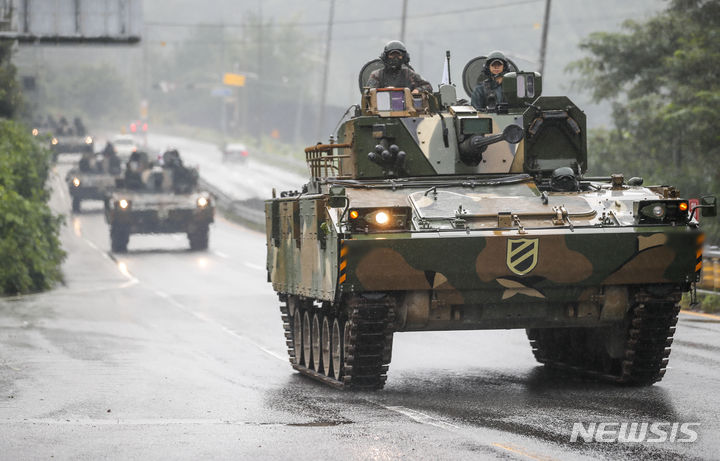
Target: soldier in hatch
<point>137,163</point>
<point>110,160</point>
<point>184,179</point>
<point>397,73</point>
<point>488,94</point>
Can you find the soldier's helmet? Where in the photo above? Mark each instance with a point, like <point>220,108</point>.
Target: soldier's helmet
<point>395,45</point>
<point>171,158</point>
<point>494,56</point>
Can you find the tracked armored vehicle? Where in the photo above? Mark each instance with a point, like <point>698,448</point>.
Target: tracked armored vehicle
<point>71,144</point>
<point>94,178</point>
<point>154,199</point>
<point>428,214</point>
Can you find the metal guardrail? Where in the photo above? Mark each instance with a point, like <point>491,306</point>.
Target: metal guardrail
<point>710,280</point>
<point>250,212</point>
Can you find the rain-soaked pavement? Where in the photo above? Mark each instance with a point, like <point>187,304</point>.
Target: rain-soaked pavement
<point>163,353</point>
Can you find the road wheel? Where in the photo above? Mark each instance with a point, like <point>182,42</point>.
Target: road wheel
<point>119,238</point>
<point>198,239</point>
<point>297,336</point>
<point>307,340</point>
<point>326,346</point>
<point>76,204</point>
<point>347,342</point>
<point>634,351</point>
<point>316,343</point>
<point>336,346</point>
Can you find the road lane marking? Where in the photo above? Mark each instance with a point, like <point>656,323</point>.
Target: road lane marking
<point>254,266</point>
<point>122,267</point>
<point>219,325</point>
<point>424,418</point>
<point>221,254</point>
<point>521,452</point>
<point>135,422</point>
<point>421,417</point>
<point>701,314</point>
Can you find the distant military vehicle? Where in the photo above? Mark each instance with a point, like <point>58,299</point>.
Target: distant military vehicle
<point>71,144</point>
<point>427,214</point>
<point>159,199</point>
<point>93,178</point>
<point>65,138</point>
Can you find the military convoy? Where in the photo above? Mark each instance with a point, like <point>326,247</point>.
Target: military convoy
<point>153,198</point>
<point>428,214</point>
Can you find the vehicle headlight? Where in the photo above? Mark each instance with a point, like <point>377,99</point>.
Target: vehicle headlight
<point>76,182</point>
<point>658,211</point>
<point>54,141</point>
<point>88,140</point>
<point>123,203</point>
<point>384,219</point>
<point>202,202</point>
<point>661,211</point>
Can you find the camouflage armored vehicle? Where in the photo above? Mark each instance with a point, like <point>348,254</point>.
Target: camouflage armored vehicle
<point>70,144</point>
<point>159,199</point>
<point>93,178</point>
<point>428,214</point>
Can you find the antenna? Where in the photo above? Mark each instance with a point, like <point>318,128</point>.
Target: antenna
<point>447,56</point>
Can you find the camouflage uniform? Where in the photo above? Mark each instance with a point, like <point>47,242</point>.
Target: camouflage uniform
<point>490,85</point>
<point>479,94</point>
<point>404,77</point>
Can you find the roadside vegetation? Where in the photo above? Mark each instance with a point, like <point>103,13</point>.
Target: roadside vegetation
<point>661,77</point>
<point>30,252</point>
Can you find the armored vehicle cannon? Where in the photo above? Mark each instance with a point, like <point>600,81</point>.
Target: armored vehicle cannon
<point>428,214</point>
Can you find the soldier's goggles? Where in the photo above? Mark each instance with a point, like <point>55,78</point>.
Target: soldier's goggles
<point>496,62</point>
<point>395,54</point>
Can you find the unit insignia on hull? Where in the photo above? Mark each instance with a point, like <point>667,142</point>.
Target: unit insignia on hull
<point>522,255</point>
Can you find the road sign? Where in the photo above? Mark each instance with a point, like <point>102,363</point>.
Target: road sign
<point>234,79</point>
<point>221,92</point>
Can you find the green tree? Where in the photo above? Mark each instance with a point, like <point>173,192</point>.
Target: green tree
<point>29,243</point>
<point>10,98</point>
<point>95,92</point>
<point>663,80</point>
<point>275,59</point>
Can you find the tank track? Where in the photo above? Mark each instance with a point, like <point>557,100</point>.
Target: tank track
<point>366,346</point>
<point>649,328</point>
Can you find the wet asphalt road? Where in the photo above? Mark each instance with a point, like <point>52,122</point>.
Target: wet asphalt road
<point>163,353</point>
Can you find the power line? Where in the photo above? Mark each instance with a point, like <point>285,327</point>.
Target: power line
<point>453,31</point>
<point>347,21</point>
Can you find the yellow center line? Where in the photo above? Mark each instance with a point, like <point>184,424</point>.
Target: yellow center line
<point>701,314</point>
<point>522,453</point>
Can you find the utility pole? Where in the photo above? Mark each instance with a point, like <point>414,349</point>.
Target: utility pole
<point>260,101</point>
<point>323,96</point>
<point>543,43</point>
<point>404,17</point>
